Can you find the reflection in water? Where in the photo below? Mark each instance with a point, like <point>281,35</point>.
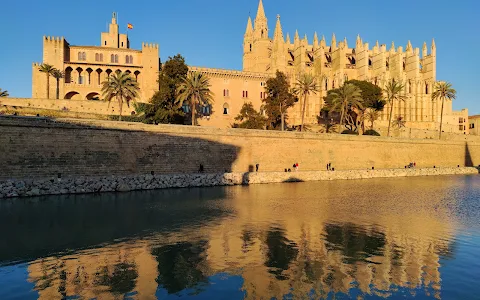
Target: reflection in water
<point>356,238</point>
<point>178,266</point>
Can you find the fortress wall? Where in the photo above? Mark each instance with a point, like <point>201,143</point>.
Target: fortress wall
<point>82,106</point>
<point>32,147</point>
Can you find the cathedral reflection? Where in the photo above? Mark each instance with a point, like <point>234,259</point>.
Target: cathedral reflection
<point>309,249</point>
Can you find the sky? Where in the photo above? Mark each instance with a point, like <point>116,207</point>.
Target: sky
<point>209,33</point>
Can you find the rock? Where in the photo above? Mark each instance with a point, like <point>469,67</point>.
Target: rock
<point>35,192</point>
<point>122,187</point>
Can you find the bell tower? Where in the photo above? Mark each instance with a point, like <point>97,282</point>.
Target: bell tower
<point>261,43</point>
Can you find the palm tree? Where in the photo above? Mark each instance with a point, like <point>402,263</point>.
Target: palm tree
<point>393,92</point>
<point>3,93</point>
<point>371,115</point>
<point>121,86</point>
<point>348,96</point>
<point>195,89</point>
<point>48,70</point>
<point>305,85</point>
<point>399,122</point>
<point>443,90</point>
<point>57,74</point>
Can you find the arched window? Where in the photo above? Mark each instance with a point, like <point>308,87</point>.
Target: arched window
<point>333,84</point>
<point>206,110</point>
<point>68,75</point>
<point>226,109</point>
<point>131,59</point>
<point>409,87</point>
<point>97,57</point>
<point>116,58</point>
<point>250,47</point>
<point>84,56</point>
<point>127,59</point>
<point>101,57</point>
<point>112,58</point>
<point>326,83</point>
<point>426,88</point>
<point>79,55</point>
<point>186,107</point>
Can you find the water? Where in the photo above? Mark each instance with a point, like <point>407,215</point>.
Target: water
<point>364,239</point>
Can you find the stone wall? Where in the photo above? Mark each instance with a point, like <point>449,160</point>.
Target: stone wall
<point>81,106</point>
<point>40,148</point>
<point>82,185</point>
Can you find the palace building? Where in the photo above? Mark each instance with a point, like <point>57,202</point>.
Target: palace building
<point>86,67</point>
<point>332,64</point>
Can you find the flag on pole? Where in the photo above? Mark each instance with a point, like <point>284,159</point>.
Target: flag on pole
<point>129,26</point>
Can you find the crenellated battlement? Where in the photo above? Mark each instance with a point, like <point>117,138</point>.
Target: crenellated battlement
<point>53,38</point>
<point>150,45</point>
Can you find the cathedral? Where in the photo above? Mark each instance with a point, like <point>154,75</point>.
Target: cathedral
<point>332,64</point>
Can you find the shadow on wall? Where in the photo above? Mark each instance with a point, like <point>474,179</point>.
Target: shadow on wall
<point>468,157</point>
<point>45,148</point>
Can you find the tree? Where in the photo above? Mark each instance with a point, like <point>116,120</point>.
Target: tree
<point>399,122</point>
<point>3,93</point>
<point>121,86</point>
<point>345,99</point>
<point>164,109</point>
<point>305,86</point>
<point>443,90</point>
<point>48,70</point>
<point>57,74</point>
<point>371,115</point>
<point>196,90</point>
<point>175,68</point>
<point>393,92</point>
<point>249,118</point>
<point>279,99</point>
<point>372,98</point>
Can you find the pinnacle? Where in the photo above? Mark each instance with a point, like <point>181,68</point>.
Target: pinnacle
<point>278,34</point>
<point>249,29</point>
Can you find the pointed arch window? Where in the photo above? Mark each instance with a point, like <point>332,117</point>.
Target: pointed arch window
<point>112,58</point>
<point>226,108</point>
<point>116,58</point>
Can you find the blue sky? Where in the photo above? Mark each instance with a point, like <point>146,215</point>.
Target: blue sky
<point>209,33</point>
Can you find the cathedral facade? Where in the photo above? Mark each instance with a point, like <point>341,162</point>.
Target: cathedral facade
<point>334,63</point>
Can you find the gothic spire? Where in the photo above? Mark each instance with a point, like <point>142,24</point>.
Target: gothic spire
<point>433,44</point>
<point>260,12</point>
<point>278,34</point>
<point>249,29</point>
<point>288,39</point>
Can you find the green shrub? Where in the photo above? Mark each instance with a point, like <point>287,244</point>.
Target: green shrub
<point>371,132</point>
<point>349,132</point>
